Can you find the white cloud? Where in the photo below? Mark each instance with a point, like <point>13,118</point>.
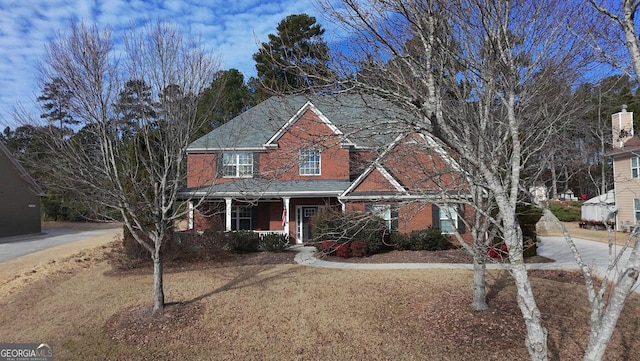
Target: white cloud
<point>230,29</point>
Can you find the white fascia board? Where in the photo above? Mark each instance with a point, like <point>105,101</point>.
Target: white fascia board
<point>217,150</point>
<point>442,153</point>
<point>375,165</point>
<point>391,179</point>
<point>301,194</point>
<point>399,197</point>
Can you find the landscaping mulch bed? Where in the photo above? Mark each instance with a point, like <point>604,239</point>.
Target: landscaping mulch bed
<point>446,256</point>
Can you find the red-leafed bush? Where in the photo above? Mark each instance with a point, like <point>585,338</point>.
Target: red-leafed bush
<point>343,250</point>
<point>358,248</point>
<point>327,247</point>
<point>498,251</point>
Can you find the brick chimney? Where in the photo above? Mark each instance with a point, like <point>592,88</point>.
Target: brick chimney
<point>621,127</point>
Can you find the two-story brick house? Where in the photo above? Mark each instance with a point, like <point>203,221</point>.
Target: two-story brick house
<point>274,167</point>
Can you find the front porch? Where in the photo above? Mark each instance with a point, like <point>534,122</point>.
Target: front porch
<point>292,216</point>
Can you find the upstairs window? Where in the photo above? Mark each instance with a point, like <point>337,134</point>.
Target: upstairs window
<point>635,167</point>
<point>238,165</point>
<point>309,162</point>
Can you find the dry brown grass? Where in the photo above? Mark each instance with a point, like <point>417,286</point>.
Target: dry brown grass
<point>233,310</point>
<point>289,312</point>
<point>582,233</point>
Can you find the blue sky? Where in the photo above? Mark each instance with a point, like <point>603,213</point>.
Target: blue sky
<point>231,29</point>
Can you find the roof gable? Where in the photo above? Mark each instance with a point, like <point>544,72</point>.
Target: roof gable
<point>417,182</point>
<point>375,179</point>
<point>308,106</point>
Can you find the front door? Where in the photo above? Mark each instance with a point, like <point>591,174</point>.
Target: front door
<point>304,219</point>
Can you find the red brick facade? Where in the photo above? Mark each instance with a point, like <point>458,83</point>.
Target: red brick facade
<point>411,166</point>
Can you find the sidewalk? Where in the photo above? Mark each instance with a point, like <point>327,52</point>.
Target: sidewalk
<point>595,254</point>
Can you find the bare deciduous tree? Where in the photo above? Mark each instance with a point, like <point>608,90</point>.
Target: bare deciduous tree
<point>469,74</point>
<point>138,175</point>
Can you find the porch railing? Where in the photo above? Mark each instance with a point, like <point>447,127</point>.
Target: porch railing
<point>263,233</point>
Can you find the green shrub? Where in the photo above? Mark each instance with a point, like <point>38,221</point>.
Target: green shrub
<point>565,213</point>
<point>245,242</point>
<point>132,248</point>
<point>430,239</point>
<point>400,241</point>
<point>530,248</point>
<point>275,242</point>
<point>528,214</point>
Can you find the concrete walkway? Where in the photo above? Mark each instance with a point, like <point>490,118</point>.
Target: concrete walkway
<point>595,254</point>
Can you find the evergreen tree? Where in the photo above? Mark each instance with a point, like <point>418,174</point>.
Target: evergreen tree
<point>232,95</point>
<point>295,59</point>
<point>56,106</point>
<point>134,107</point>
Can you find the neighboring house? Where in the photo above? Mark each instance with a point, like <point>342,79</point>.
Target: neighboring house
<point>274,167</point>
<point>20,195</point>
<point>626,170</point>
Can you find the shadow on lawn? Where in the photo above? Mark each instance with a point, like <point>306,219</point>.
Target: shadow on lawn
<point>249,276</point>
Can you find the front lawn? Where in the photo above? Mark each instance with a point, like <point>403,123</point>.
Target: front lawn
<point>291,312</point>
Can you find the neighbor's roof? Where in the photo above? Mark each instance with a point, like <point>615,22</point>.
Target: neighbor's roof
<point>367,122</point>
<point>631,147</point>
<point>607,198</point>
<point>23,173</point>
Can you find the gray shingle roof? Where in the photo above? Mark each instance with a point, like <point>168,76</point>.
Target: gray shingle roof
<point>262,188</point>
<point>366,121</point>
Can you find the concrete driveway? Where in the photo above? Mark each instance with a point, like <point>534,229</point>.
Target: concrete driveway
<point>595,254</point>
<point>14,247</point>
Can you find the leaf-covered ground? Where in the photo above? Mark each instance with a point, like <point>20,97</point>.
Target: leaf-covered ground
<point>263,307</point>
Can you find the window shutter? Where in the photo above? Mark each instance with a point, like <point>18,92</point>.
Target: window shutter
<point>219,171</point>
<point>254,217</point>
<point>461,226</point>
<point>394,218</point>
<point>435,216</point>
<point>256,164</point>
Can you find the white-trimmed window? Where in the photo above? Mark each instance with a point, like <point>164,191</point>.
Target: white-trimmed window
<point>237,164</point>
<point>241,218</point>
<point>387,213</point>
<point>635,167</point>
<point>636,210</point>
<point>309,162</point>
<point>448,219</point>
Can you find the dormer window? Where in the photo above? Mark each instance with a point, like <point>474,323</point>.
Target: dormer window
<point>237,165</point>
<point>309,162</point>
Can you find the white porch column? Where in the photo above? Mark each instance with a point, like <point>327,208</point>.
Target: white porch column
<point>227,217</point>
<point>191,215</point>
<point>285,214</point>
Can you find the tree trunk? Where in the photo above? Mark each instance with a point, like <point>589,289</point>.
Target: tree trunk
<point>603,167</point>
<point>554,180</point>
<point>602,331</point>
<point>536,340</point>
<point>479,283</point>
<point>158,288</point>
